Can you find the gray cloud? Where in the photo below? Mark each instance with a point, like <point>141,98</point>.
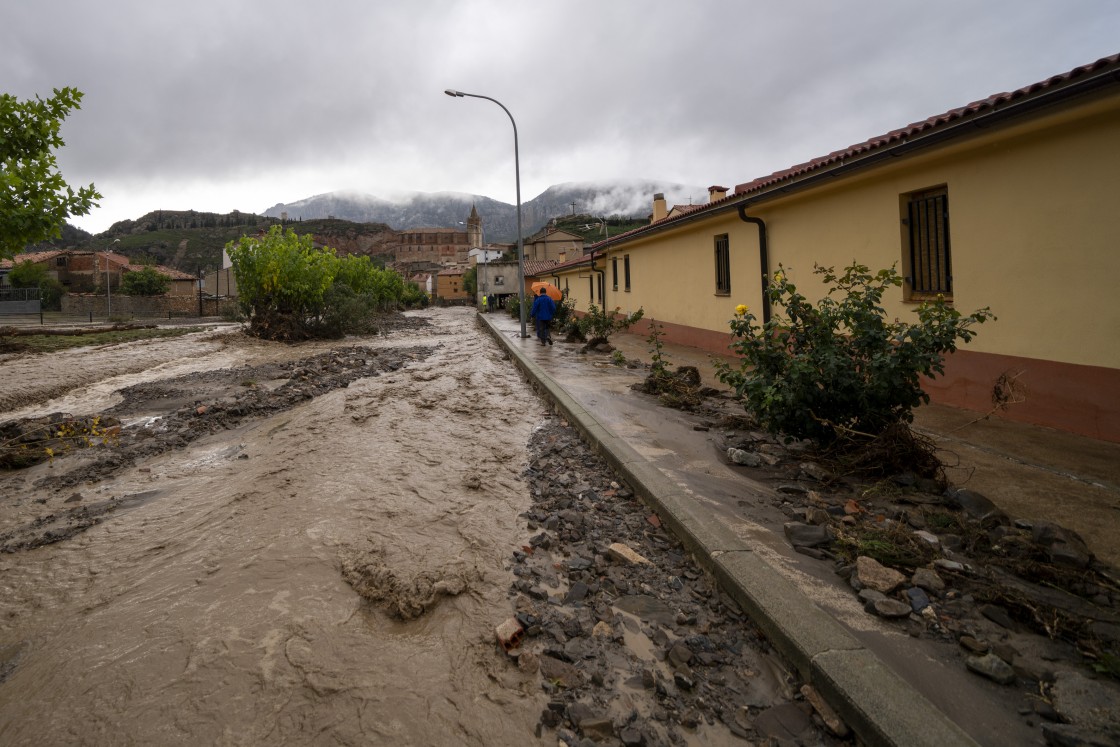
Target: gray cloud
<point>241,104</point>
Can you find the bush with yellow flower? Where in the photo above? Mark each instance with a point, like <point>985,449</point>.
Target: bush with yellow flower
<point>840,368</point>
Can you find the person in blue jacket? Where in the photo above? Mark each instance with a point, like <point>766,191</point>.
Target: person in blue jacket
<point>544,308</point>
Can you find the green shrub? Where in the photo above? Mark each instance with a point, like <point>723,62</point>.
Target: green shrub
<point>33,275</point>
<point>291,290</point>
<point>599,324</point>
<point>146,281</point>
<point>840,368</point>
<point>565,316</point>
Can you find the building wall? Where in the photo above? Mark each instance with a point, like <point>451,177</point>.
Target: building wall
<point>220,283</point>
<point>555,245</point>
<point>450,287</point>
<point>1033,229</point>
<point>497,278</point>
<point>443,246</point>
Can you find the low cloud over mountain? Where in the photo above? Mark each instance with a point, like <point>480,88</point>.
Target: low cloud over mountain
<point>629,198</point>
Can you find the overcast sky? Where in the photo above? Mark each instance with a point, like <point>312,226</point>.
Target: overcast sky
<point>240,104</point>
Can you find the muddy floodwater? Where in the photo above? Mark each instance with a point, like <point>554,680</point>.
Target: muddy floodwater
<point>328,571</point>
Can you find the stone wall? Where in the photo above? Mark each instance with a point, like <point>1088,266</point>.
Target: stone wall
<point>146,307</point>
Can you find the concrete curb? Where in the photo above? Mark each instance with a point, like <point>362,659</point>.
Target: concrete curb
<point>881,707</point>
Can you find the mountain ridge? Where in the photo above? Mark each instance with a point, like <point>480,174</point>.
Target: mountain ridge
<point>621,198</point>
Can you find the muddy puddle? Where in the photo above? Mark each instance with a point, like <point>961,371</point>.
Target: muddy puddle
<point>328,572</point>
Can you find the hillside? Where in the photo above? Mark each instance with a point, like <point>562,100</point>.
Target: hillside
<point>352,223</point>
<point>189,240</point>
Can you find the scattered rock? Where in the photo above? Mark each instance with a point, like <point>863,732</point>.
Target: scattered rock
<point>974,646</point>
<point>745,458</point>
<point>807,535</point>
<point>918,599</point>
<point>890,608</point>
<point>998,615</point>
<point>992,667</point>
<point>1064,546</point>
<point>831,719</point>
<point>925,578</point>
<point>872,574</point>
<point>619,551</point>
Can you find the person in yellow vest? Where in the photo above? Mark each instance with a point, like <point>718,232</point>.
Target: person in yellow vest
<point>484,302</point>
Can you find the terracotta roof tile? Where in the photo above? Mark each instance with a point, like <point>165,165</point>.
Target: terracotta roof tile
<point>36,256</point>
<point>921,127</point>
<point>539,266</point>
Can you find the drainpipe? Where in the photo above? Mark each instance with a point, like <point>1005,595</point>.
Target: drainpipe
<point>602,282</point>
<point>763,258</point>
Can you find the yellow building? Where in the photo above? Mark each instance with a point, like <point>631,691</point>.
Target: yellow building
<point>1007,203</point>
<point>449,285</point>
<point>553,244</point>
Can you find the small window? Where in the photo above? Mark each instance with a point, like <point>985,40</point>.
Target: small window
<point>723,266</point>
<point>614,273</point>
<point>60,261</point>
<point>499,280</point>
<point>626,271</point>
<point>928,255</point>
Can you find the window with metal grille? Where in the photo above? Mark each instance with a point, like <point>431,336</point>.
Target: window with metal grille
<point>614,273</point>
<point>626,271</point>
<point>723,266</point>
<point>927,223</point>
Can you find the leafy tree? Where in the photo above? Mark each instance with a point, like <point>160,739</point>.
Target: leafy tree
<point>145,282</point>
<point>470,280</point>
<point>35,275</point>
<point>291,290</point>
<point>28,275</point>
<point>840,370</point>
<point>35,200</point>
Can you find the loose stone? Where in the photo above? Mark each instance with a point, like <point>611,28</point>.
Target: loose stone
<point>874,575</point>
<point>992,667</point>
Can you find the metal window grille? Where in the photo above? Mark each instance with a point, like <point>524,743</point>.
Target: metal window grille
<point>723,265</point>
<point>626,270</point>
<point>614,272</point>
<point>928,220</point>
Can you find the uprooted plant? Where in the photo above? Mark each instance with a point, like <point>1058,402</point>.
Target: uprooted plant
<point>680,388</point>
<point>29,442</point>
<point>597,325</point>
<point>839,372</point>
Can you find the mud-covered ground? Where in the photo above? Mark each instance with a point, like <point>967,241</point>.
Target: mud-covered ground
<point>320,543</point>
<point>1023,603</point>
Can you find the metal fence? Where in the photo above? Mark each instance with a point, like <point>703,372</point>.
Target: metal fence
<point>19,301</point>
<point>8,294</point>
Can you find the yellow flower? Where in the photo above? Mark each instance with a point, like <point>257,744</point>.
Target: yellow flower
<point>778,277</point>
<point>741,310</point>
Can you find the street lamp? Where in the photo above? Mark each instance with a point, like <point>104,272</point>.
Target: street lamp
<point>517,177</point>
<point>108,297</point>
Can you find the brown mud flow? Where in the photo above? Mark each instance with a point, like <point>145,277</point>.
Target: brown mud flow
<point>306,566</point>
<point>324,543</point>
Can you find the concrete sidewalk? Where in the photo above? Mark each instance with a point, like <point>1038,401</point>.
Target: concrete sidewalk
<point>891,689</point>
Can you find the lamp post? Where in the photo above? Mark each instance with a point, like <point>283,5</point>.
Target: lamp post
<point>108,296</point>
<point>517,177</point>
